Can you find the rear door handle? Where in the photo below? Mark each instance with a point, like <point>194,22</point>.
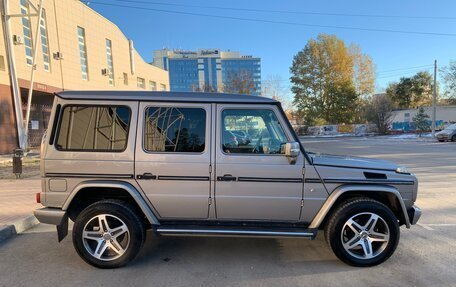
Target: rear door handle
<point>146,176</point>
<point>227,177</point>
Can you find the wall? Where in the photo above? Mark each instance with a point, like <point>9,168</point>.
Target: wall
<point>62,19</point>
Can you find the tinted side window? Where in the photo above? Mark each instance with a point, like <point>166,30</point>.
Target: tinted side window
<point>255,131</point>
<point>94,128</point>
<point>170,129</point>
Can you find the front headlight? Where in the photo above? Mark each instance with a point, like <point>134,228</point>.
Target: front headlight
<point>402,170</point>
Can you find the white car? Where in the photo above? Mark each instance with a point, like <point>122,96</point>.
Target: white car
<point>449,133</point>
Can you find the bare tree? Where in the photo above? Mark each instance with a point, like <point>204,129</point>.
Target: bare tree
<point>378,110</point>
<point>239,83</point>
<point>273,87</point>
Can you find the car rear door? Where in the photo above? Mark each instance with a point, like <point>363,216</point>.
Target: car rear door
<point>254,180</point>
<point>173,156</point>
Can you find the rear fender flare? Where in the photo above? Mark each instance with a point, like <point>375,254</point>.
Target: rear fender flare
<point>134,193</point>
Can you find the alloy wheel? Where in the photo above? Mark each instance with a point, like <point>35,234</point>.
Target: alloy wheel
<point>365,235</point>
<point>106,237</point>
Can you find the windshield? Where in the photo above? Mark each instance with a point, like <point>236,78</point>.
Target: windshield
<point>450,128</point>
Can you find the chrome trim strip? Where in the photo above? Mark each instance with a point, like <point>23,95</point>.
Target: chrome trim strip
<point>178,231</point>
<point>88,175</point>
<point>312,180</point>
<point>189,178</point>
<point>372,181</point>
<point>350,167</point>
<point>266,179</point>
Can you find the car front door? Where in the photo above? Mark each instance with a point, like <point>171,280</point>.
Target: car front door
<point>173,156</point>
<point>254,179</point>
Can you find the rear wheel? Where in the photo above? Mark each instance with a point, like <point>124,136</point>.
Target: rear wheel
<point>453,138</point>
<point>362,232</point>
<point>108,234</point>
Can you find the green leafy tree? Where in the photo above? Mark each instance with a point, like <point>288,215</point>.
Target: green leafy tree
<point>421,121</point>
<point>327,80</point>
<point>412,91</point>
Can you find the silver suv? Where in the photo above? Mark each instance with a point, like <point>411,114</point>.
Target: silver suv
<point>120,163</point>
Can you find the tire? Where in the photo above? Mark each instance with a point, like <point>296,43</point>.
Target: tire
<point>453,138</point>
<point>441,141</point>
<point>381,238</point>
<point>117,242</point>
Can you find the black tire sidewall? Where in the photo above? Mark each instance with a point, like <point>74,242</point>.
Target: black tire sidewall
<point>123,212</point>
<point>342,217</point>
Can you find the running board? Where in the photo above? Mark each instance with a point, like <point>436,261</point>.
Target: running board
<point>233,232</point>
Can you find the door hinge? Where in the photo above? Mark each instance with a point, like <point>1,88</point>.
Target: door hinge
<point>302,202</point>
<point>210,169</point>
<point>303,171</point>
<point>210,201</point>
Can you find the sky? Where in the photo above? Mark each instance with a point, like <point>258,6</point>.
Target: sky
<point>394,54</point>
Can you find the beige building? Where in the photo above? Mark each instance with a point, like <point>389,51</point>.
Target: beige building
<point>78,50</point>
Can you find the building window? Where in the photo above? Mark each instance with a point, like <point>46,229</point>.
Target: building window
<point>110,63</point>
<point>93,128</point>
<point>125,79</point>
<point>162,87</point>
<point>141,83</point>
<point>45,42</point>
<point>169,129</point>
<point>152,85</point>
<point>83,54</point>
<point>27,30</point>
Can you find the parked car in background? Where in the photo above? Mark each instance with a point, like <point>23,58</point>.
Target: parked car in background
<point>117,163</point>
<point>448,134</point>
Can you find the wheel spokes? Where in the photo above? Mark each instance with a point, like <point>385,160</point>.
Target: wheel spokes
<point>378,237</point>
<point>365,235</point>
<point>118,230</point>
<point>367,248</point>
<point>371,222</point>
<point>354,226</point>
<point>92,235</point>
<point>100,249</point>
<point>106,237</point>
<point>116,247</point>
<point>103,223</point>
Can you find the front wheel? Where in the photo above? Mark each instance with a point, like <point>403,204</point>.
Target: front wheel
<point>108,234</point>
<point>362,232</point>
<point>453,138</point>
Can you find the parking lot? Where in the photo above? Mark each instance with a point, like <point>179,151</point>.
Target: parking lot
<point>425,255</point>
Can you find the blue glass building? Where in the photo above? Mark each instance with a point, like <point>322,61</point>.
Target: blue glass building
<point>208,69</point>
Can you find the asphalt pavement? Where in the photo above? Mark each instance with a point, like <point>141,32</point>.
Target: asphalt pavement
<point>425,255</point>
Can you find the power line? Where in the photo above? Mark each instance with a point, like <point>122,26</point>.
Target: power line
<point>274,22</point>
<point>289,12</point>
<point>402,69</point>
<point>401,75</point>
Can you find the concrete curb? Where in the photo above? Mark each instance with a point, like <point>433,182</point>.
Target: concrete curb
<point>17,227</point>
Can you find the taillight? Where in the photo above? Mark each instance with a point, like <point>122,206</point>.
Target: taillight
<point>38,197</point>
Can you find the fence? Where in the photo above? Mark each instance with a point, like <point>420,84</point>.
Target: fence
<point>39,119</point>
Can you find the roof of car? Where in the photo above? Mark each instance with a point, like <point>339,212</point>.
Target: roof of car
<point>191,97</point>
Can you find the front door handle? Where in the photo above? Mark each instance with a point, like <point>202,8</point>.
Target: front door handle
<point>227,177</point>
<point>146,175</point>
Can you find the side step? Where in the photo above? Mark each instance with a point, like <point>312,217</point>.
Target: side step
<point>232,231</point>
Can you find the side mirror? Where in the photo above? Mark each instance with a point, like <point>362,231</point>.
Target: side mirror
<point>291,151</point>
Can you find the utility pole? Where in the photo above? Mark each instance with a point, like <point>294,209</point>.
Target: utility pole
<point>434,99</point>
<point>13,73</point>
<point>32,74</point>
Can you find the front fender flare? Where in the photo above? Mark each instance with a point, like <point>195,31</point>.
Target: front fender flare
<point>324,210</point>
<point>135,194</point>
